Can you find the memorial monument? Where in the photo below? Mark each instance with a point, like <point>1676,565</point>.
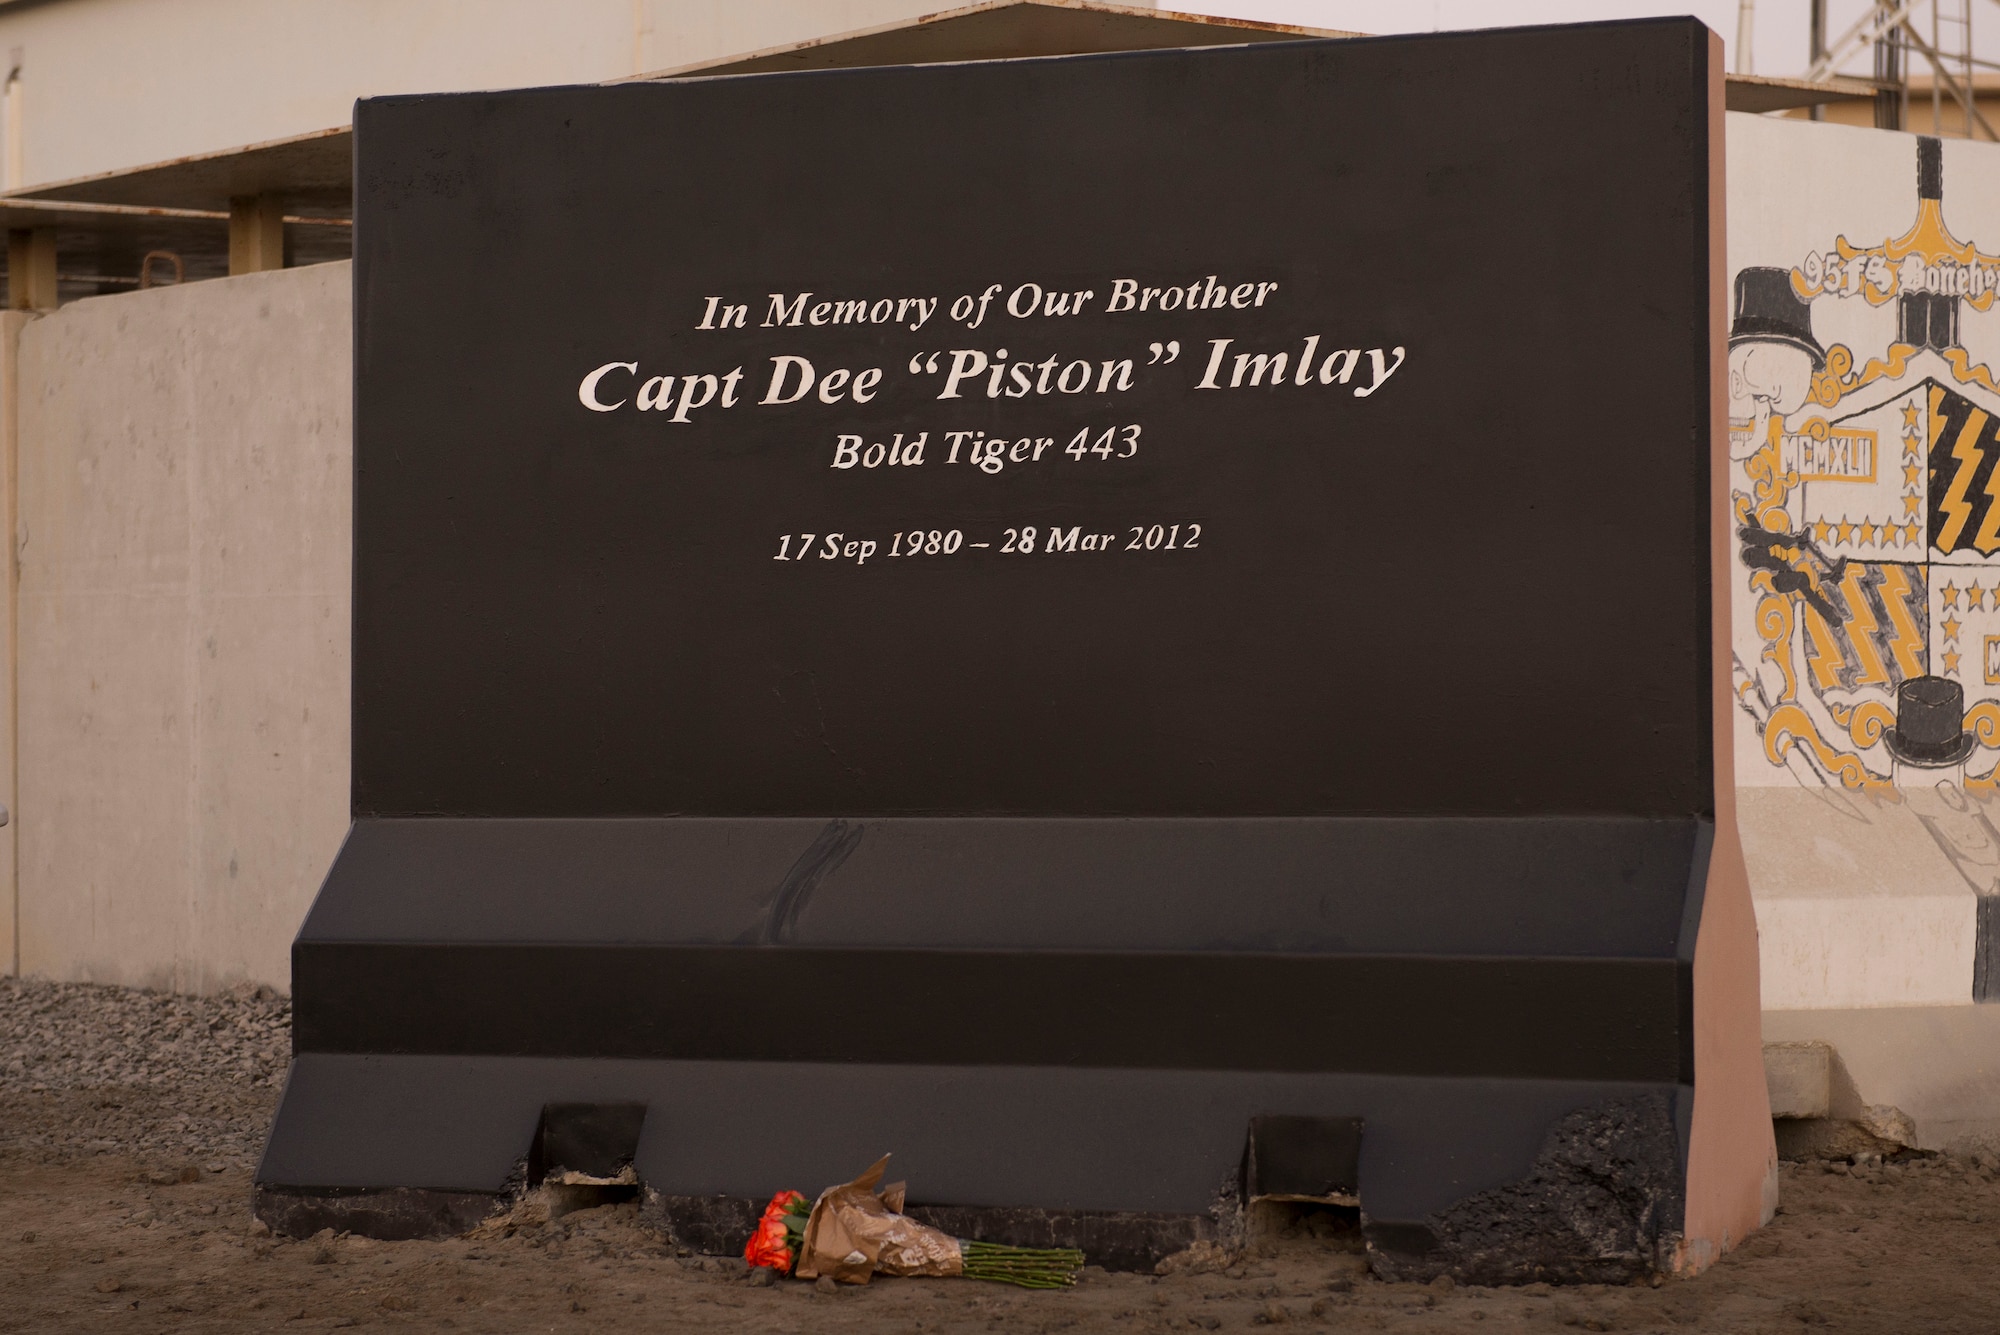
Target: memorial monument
<point>1138,630</point>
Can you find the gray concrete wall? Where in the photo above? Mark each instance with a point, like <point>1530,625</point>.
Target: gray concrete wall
<point>1937,1065</point>
<point>185,500</point>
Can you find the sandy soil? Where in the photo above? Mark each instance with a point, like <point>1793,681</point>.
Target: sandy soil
<point>124,1206</point>
<point>92,1238</point>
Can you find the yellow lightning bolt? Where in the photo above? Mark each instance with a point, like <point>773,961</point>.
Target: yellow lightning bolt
<point>1966,450</point>
<point>1861,628</point>
<point>1824,656</point>
<point>1905,643</point>
<point>1988,537</point>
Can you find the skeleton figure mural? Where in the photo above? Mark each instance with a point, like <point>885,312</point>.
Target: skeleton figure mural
<point>1772,355</point>
<point>1867,502</point>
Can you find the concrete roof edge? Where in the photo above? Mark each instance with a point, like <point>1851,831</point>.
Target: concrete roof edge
<point>983,7</point>
<point>1762,93</point>
<point>1840,85</point>
<point>57,189</point>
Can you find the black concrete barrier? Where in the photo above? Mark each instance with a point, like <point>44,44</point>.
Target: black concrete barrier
<point>1034,615</point>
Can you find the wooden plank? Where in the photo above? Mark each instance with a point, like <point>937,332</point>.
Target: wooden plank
<point>256,234</point>
<point>31,269</point>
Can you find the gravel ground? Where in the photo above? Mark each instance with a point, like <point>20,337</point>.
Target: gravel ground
<point>149,1073</point>
<point>72,1035</point>
<point>130,1123</point>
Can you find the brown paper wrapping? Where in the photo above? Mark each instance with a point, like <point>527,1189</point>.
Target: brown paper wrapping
<point>855,1231</point>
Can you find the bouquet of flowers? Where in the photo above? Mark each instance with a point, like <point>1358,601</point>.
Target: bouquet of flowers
<point>775,1244</point>
<point>854,1231</point>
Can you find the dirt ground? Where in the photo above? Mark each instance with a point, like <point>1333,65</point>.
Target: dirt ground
<point>125,1207</point>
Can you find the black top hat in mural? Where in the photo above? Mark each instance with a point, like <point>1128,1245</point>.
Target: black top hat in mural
<point>1768,310</point>
<point>1930,723</point>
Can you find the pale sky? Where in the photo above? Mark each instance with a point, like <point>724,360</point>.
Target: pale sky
<point>1779,46</point>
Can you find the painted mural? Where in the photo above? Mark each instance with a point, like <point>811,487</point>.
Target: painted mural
<point>1866,495</point>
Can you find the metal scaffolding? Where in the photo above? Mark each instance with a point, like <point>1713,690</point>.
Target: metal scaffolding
<point>1893,31</point>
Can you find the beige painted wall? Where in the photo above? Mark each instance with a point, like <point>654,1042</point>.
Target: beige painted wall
<point>1944,117</point>
<point>185,507</point>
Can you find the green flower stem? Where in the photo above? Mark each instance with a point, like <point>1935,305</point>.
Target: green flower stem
<point>1027,1267</point>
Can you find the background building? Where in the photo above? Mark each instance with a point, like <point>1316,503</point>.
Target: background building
<point>106,85</point>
